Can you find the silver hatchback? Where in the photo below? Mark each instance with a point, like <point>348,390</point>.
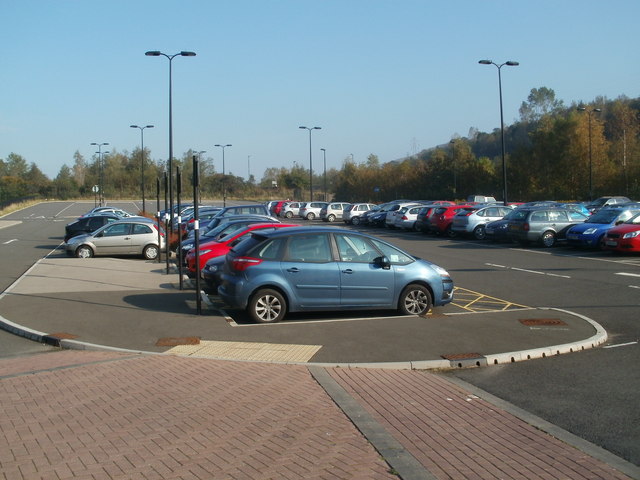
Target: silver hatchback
<point>124,237</point>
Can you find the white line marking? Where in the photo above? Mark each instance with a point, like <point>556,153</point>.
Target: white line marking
<point>634,286</point>
<point>621,345</point>
<point>629,274</point>
<point>9,241</point>
<point>528,271</point>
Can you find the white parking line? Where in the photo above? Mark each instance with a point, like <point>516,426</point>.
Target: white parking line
<point>528,271</point>
<point>621,345</point>
<point>10,241</point>
<point>629,274</point>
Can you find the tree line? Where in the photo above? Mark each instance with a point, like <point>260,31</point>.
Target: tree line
<point>552,152</point>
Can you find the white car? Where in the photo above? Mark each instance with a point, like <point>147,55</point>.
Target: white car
<point>334,211</point>
<point>354,211</point>
<point>406,217</point>
<point>390,220</point>
<point>469,221</point>
<point>311,210</point>
<point>290,209</point>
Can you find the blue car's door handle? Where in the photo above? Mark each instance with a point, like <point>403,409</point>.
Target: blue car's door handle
<point>293,270</point>
<point>348,270</point>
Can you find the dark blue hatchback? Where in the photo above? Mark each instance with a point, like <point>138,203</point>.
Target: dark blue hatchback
<point>316,268</point>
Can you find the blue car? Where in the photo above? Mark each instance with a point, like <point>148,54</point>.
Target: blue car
<point>319,268</point>
<point>591,233</point>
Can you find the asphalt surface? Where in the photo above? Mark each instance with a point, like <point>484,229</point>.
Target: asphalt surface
<point>316,396</point>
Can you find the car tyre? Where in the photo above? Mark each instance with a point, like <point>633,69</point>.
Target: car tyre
<point>548,239</point>
<point>355,221</point>
<point>415,299</point>
<point>449,232</point>
<point>267,306</point>
<point>331,218</point>
<point>288,214</point>
<point>151,252</point>
<point>478,232</point>
<point>84,251</point>
<point>311,216</point>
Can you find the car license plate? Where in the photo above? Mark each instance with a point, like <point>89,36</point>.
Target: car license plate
<point>572,236</point>
<point>612,243</point>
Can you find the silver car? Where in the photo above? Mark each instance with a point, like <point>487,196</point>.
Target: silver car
<point>333,211</point>
<point>131,236</point>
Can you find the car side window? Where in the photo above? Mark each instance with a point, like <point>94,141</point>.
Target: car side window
<point>270,250</point>
<point>352,248</point>
<point>308,248</point>
<point>538,217</point>
<point>116,230</point>
<point>395,256</point>
<point>139,229</point>
<point>557,216</point>
<point>94,223</point>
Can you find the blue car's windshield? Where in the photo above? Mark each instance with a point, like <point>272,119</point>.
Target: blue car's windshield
<point>603,216</point>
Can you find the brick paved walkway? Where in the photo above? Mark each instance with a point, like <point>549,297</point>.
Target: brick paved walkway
<point>161,417</point>
<point>99,415</point>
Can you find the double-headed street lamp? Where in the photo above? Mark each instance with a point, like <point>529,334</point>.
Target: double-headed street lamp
<point>590,111</point>
<point>310,160</point>
<point>100,169</point>
<point>144,206</point>
<point>156,53</point>
<point>224,183</point>
<point>504,164</point>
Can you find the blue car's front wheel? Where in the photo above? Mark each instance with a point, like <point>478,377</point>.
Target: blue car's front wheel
<point>415,300</point>
<point>267,306</point>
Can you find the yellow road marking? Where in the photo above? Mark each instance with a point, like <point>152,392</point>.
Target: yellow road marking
<point>471,301</point>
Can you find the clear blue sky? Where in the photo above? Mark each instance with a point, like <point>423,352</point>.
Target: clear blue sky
<point>388,77</point>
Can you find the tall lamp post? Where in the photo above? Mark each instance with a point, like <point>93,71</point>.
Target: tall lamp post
<point>453,156</point>
<point>324,155</point>
<point>590,111</point>
<point>156,53</point>
<point>504,163</point>
<point>144,206</point>
<point>310,160</point>
<point>224,183</point>
<point>100,169</point>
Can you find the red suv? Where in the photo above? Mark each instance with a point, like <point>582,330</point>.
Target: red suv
<point>441,219</point>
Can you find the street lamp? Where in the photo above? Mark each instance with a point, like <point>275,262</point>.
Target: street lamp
<point>590,111</point>
<point>156,53</point>
<point>504,163</point>
<point>310,161</point>
<point>144,206</point>
<point>248,168</point>
<point>100,169</point>
<point>324,154</point>
<point>224,183</point>
<point>453,156</point>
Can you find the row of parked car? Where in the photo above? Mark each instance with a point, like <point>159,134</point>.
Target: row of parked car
<point>611,223</point>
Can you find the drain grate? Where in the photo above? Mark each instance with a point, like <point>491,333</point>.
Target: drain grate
<point>175,341</point>
<point>537,322</point>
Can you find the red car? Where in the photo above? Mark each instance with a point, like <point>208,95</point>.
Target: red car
<point>625,237</point>
<point>442,217</point>
<point>213,249</point>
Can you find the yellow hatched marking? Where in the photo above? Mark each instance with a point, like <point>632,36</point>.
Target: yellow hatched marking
<point>477,302</point>
<point>260,352</point>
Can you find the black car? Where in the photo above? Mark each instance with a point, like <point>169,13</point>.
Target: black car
<point>87,224</point>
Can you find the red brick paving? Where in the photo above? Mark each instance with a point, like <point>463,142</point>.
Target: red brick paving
<point>456,435</point>
<point>101,415</point>
<point>160,417</point>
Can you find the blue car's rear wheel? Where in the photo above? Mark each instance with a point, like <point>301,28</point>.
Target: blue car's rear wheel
<point>267,306</point>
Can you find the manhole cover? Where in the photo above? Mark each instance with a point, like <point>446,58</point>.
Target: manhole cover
<point>175,341</point>
<point>537,322</point>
